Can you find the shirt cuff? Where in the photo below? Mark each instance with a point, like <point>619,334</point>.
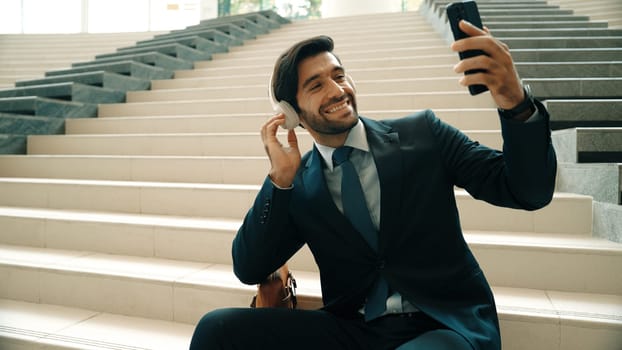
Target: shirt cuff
<point>535,117</point>
<point>282,188</point>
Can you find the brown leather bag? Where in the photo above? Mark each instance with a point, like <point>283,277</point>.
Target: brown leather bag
<point>278,290</point>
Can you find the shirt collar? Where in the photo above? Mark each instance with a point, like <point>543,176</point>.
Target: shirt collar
<point>356,139</point>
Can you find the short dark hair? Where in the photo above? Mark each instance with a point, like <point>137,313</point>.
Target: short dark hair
<point>285,75</point>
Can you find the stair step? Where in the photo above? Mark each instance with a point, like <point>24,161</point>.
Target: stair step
<point>68,91</point>
<point>151,58</point>
<point>464,119</point>
<point>418,71</point>
<point>197,169</point>
<point>562,88</point>
<point>402,30</point>
<point>508,258</point>
<point>602,181</point>
<point>403,85</point>
<point>557,32</point>
<point>494,26</point>
<point>589,145</point>
<point>108,80</point>
<point>585,113</point>
<point>213,35</point>
<point>227,28</point>
<point>583,321</point>
<point>129,68</point>
<point>196,42</point>
<point>40,106</point>
<point>436,48</point>
<point>567,213</point>
<point>363,86</point>
<point>176,50</point>
<point>206,144</point>
<point>563,42</point>
<point>266,63</point>
<point>570,69</point>
<point>433,68</point>
<point>179,291</point>
<point>503,15</point>
<point>406,55</point>
<point>412,101</point>
<point>32,325</point>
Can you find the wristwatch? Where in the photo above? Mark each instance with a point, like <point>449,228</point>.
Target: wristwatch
<point>527,104</point>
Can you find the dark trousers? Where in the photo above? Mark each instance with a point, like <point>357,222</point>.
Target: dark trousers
<point>245,328</point>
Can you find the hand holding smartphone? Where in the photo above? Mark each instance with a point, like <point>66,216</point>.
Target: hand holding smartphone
<point>467,11</point>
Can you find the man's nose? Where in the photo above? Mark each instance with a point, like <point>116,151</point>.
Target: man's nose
<point>335,89</point>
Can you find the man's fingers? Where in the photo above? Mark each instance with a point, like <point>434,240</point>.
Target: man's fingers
<point>292,139</point>
<point>271,125</point>
<point>469,29</point>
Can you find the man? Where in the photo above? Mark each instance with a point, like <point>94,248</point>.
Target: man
<point>432,292</point>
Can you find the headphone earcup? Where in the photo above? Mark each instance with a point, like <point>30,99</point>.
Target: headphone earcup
<point>291,116</point>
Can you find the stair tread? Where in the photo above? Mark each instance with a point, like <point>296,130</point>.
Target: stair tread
<point>480,238</point>
<point>80,328</point>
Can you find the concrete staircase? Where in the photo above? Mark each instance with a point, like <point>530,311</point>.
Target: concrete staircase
<point>32,105</point>
<point>117,235</point>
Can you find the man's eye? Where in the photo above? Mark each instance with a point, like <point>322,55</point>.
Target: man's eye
<point>314,87</point>
<point>340,77</point>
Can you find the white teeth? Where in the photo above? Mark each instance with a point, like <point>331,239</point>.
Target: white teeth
<point>339,107</point>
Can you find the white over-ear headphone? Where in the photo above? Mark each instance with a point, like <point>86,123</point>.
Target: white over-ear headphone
<point>291,116</point>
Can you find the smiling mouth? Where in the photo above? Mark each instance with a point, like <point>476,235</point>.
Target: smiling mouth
<point>339,107</point>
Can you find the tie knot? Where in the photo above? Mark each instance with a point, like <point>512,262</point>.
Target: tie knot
<point>341,154</point>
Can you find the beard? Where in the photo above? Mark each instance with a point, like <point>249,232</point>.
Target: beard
<point>321,124</point>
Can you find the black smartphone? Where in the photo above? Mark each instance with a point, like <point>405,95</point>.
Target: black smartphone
<point>466,10</point>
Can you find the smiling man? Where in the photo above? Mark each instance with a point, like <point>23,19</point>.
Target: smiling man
<point>374,201</point>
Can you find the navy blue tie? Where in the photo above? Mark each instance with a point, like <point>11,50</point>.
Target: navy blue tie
<point>355,209</point>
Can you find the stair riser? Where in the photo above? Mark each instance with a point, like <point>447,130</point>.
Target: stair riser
<point>260,91</point>
<point>404,85</point>
<point>437,48</point>
<point>601,181</point>
<point>588,145</point>
<point>494,26</point>
<point>341,44</point>
<point>280,40</point>
<point>406,66</point>
<point>467,119</point>
<point>251,171</point>
<point>352,63</point>
<point>536,332</point>
<point>576,88</point>
<point>561,216</point>
<point>365,102</point>
<point>119,295</point>
<point>184,145</point>
<point>556,269</point>
<point>353,60</point>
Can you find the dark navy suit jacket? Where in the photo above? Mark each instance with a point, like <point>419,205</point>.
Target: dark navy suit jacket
<point>422,252</point>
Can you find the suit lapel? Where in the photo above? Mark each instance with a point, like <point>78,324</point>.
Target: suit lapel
<point>385,147</point>
<point>321,203</point>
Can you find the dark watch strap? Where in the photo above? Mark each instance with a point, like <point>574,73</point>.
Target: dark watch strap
<point>522,107</point>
